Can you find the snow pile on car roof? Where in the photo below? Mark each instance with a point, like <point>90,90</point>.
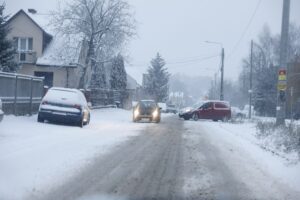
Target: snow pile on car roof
<point>64,95</point>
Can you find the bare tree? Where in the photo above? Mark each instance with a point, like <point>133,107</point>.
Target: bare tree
<point>266,53</point>
<point>105,25</point>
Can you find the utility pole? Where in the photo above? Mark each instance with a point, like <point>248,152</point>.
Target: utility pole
<point>215,87</point>
<point>292,96</point>
<point>282,81</point>
<point>250,86</point>
<point>222,76</point>
<point>222,68</point>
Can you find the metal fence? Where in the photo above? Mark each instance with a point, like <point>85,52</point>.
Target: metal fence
<point>20,94</point>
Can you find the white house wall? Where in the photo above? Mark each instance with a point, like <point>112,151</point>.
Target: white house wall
<point>59,74</point>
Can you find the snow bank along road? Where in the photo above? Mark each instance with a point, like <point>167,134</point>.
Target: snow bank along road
<point>171,160</point>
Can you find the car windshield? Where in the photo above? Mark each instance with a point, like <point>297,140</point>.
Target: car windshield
<point>131,100</point>
<point>198,105</point>
<point>147,104</point>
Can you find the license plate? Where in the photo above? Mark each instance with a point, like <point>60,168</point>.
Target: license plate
<point>59,113</point>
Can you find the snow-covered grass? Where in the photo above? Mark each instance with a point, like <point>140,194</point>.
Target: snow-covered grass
<point>282,140</point>
<point>35,155</point>
<point>241,140</point>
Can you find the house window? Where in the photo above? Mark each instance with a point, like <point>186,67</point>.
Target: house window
<point>30,44</point>
<point>23,44</point>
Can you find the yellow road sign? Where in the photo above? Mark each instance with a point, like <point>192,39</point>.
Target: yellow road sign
<point>281,86</point>
<point>282,77</point>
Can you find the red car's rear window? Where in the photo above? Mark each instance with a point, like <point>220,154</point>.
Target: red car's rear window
<point>221,105</point>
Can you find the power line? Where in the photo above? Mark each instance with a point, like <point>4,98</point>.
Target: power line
<point>193,60</point>
<point>246,29</point>
<point>180,62</point>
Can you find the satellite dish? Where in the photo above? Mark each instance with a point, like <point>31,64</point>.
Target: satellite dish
<point>32,11</point>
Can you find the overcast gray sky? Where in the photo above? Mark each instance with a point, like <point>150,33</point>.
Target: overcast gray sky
<point>178,28</point>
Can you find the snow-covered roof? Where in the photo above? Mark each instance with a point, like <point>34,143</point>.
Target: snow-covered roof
<point>59,54</point>
<point>135,72</point>
<point>38,20</point>
<point>42,21</point>
<point>131,83</point>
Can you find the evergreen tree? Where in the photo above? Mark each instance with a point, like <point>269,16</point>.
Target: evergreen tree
<point>118,75</point>
<point>157,85</point>
<point>98,79</point>
<point>265,95</point>
<point>7,51</point>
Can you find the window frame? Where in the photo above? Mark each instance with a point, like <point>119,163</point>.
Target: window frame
<point>27,39</point>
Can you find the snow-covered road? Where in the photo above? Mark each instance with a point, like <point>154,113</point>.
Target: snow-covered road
<point>113,158</point>
<point>34,155</point>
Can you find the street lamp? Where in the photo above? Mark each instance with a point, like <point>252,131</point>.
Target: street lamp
<point>222,68</point>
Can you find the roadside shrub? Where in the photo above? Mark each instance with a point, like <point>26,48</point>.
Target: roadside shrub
<point>237,120</point>
<point>283,138</point>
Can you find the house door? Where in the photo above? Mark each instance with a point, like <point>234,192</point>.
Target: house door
<point>48,77</point>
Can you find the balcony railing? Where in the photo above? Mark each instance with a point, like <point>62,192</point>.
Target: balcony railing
<point>28,57</point>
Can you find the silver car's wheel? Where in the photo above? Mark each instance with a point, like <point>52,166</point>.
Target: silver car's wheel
<point>40,119</point>
<point>225,119</point>
<point>80,123</point>
<point>195,117</point>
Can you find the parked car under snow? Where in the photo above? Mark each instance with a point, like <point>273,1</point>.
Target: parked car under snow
<point>171,109</point>
<point>237,113</point>
<point>64,105</point>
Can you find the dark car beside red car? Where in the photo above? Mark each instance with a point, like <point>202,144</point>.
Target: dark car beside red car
<point>214,110</point>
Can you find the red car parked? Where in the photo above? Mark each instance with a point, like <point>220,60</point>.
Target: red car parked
<point>215,110</point>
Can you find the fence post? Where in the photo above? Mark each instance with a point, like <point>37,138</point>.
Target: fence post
<point>31,92</point>
<point>16,95</point>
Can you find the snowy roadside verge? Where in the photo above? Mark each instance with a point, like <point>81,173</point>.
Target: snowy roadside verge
<point>263,133</point>
<point>33,156</point>
<point>241,138</point>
